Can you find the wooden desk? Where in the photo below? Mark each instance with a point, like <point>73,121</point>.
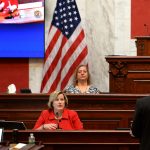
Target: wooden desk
<point>129,74</point>
<point>104,111</point>
<point>86,139</point>
<point>92,119</point>
<point>5,146</point>
<point>76,102</point>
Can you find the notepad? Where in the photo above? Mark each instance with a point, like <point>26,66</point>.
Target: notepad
<point>17,146</point>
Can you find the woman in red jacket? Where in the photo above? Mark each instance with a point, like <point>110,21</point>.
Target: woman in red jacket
<point>8,6</point>
<point>58,116</point>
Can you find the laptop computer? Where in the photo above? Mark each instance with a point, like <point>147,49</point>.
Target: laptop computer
<point>10,125</point>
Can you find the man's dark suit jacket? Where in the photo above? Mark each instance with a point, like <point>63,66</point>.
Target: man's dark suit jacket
<point>141,122</point>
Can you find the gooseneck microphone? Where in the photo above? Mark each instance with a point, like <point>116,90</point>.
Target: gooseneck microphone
<point>15,136</point>
<point>58,119</point>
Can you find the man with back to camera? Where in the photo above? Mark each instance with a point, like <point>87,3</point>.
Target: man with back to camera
<point>8,6</point>
<point>141,122</point>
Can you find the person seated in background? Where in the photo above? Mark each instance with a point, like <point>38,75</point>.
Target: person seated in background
<point>82,82</point>
<point>58,116</point>
<point>8,6</point>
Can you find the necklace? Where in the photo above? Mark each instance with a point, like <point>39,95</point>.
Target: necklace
<point>83,89</point>
<point>58,116</point>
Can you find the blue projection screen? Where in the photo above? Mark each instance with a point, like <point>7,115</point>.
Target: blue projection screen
<point>22,40</point>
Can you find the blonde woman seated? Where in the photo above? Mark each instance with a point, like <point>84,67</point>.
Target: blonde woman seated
<point>58,116</point>
<point>82,82</point>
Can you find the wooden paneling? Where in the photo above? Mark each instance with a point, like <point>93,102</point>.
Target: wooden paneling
<point>129,74</point>
<point>76,102</point>
<point>86,139</point>
<point>104,111</point>
<point>92,119</point>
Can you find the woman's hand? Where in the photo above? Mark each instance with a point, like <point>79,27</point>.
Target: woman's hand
<point>50,126</point>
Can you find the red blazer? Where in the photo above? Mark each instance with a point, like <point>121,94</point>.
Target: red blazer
<point>69,120</point>
<point>12,2</point>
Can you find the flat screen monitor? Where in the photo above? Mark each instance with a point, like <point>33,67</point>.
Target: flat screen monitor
<point>10,125</point>
<point>23,35</point>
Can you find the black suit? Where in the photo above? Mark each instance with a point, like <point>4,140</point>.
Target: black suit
<point>141,122</point>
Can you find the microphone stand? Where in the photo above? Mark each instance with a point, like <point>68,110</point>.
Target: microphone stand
<point>15,136</point>
<point>58,120</point>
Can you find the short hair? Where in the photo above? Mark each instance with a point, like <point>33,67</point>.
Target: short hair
<point>75,81</point>
<point>53,96</point>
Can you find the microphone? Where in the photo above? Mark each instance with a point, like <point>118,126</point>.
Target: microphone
<point>15,135</point>
<point>146,29</point>
<point>58,117</point>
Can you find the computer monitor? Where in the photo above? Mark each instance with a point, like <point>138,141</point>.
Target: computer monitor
<point>10,125</point>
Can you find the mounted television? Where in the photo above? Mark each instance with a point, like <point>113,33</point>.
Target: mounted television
<point>22,35</point>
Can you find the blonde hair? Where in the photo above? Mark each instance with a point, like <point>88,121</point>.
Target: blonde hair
<point>53,96</point>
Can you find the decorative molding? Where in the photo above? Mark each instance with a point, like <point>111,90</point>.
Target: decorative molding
<point>119,69</point>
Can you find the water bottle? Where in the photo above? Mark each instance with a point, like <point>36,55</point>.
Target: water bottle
<point>31,139</point>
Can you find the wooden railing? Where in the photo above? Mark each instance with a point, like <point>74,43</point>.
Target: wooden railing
<point>81,102</point>
<point>104,111</point>
<point>85,139</point>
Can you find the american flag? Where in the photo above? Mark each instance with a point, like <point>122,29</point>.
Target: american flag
<point>65,48</point>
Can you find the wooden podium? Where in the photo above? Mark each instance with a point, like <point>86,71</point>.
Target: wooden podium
<point>80,139</point>
<point>143,45</point>
<point>129,74</point>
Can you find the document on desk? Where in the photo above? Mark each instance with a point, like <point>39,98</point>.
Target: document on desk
<point>17,146</point>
